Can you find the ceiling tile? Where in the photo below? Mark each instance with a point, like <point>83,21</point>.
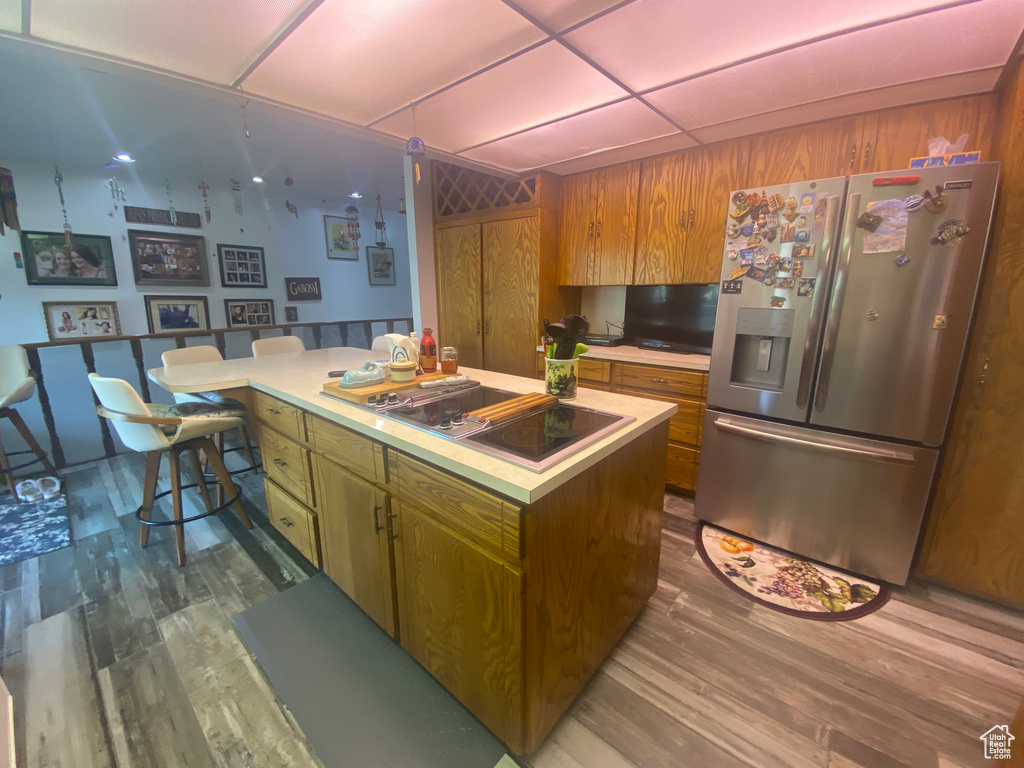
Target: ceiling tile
<point>898,95</point>
<point>616,125</point>
<point>213,41</point>
<point>542,85</point>
<point>10,15</point>
<point>662,146</point>
<point>359,61</point>
<point>653,42</point>
<point>850,63</point>
<point>561,14</point>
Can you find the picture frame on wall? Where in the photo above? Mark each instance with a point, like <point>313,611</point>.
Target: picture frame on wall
<point>249,313</point>
<point>342,236</point>
<point>48,260</point>
<point>380,262</point>
<point>242,266</point>
<point>81,319</point>
<point>177,313</point>
<point>291,314</point>
<point>168,258</point>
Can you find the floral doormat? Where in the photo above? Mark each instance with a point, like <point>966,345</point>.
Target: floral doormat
<point>785,582</point>
<point>32,528</point>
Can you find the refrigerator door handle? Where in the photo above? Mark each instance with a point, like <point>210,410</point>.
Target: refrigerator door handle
<point>902,457</point>
<point>835,309</point>
<point>817,303</point>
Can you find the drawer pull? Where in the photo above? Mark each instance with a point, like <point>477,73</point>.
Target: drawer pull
<point>658,381</point>
<point>377,528</point>
<point>280,463</point>
<point>286,522</point>
<point>272,411</point>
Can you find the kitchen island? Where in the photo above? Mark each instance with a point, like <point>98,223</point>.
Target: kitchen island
<point>509,586</point>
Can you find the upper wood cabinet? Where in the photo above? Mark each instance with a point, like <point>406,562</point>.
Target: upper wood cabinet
<point>355,544</point>
<point>576,230</point>
<point>459,294</point>
<point>662,220</point>
<point>511,268</point>
<point>817,151</point>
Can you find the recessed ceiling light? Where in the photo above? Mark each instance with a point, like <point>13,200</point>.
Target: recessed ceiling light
<point>258,179</point>
<point>124,157</point>
<point>355,195</point>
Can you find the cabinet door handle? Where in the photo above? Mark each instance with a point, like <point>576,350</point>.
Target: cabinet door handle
<point>285,522</point>
<point>691,216</point>
<point>682,220</point>
<point>477,327</point>
<point>867,151</point>
<point>377,528</point>
<point>598,229</point>
<point>280,463</point>
<point>391,528</point>
<point>487,327</point>
<point>272,411</point>
<point>853,156</point>
<point>658,381</point>
<point>983,377</point>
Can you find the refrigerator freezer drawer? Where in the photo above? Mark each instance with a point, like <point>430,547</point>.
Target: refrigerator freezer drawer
<point>850,502</point>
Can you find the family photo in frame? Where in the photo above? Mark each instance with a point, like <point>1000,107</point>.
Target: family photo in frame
<point>79,319</point>
<point>168,258</point>
<point>242,266</point>
<point>49,261</point>
<point>177,313</point>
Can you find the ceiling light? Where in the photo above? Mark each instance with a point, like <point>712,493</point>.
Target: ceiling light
<point>257,179</point>
<point>124,157</point>
<point>111,164</point>
<point>355,195</point>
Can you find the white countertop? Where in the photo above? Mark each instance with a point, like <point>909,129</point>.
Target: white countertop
<point>625,354</point>
<point>298,378</point>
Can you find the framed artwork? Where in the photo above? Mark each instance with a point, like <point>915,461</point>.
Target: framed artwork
<point>177,313</point>
<point>81,319</point>
<point>242,266</point>
<point>48,260</point>
<point>342,234</point>
<point>168,258</point>
<point>381,264</point>
<point>291,314</point>
<point>247,313</point>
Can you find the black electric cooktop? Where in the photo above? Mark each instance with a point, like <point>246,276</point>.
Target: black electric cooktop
<point>456,404</point>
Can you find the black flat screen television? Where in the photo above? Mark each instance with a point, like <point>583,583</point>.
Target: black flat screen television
<point>677,318</point>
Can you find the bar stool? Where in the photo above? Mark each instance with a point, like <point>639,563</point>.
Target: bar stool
<point>210,354</point>
<point>16,386</point>
<point>156,429</point>
<point>277,345</point>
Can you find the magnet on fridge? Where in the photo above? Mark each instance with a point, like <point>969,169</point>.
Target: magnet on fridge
<point>820,212</point>
<point>805,287</point>
<point>901,260</point>
<point>915,203</point>
<point>777,301</point>
<point>940,322</point>
<point>784,283</point>
<point>807,202</point>
<point>732,252</point>
<point>760,258</point>
<point>772,220</point>
<point>737,272</point>
<point>732,286</point>
<point>803,251</point>
<point>770,234</point>
<point>747,257</point>
<point>732,231</point>
<point>788,263</point>
<point>739,199</point>
<point>769,279</point>
<point>740,213</point>
<point>747,230</point>
<point>773,260</point>
<point>788,233</point>
<point>957,185</point>
<point>756,273</point>
<point>802,236</point>
<point>753,199</point>
<point>789,214</point>
<point>869,221</point>
<point>775,202</point>
<point>935,203</point>
<point>797,270</point>
<point>951,232</point>
<point>802,221</point>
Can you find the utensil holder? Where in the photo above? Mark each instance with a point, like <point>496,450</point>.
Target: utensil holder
<point>560,377</point>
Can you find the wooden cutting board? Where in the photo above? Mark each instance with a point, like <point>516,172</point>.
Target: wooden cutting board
<point>517,406</point>
<point>360,395</point>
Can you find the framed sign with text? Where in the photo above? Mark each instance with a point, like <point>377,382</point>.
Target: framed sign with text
<point>302,288</point>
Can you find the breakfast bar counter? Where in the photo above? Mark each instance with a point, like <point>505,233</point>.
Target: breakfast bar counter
<point>510,586</point>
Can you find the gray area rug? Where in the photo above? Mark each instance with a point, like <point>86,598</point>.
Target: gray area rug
<point>360,699</point>
<point>31,528</point>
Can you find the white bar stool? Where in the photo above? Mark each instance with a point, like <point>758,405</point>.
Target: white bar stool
<point>16,386</point>
<point>277,345</point>
<point>156,429</point>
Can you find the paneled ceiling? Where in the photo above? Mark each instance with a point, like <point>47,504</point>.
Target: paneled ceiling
<point>558,84</point>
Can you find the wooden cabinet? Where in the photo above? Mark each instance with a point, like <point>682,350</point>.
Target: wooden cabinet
<point>662,220</point>
<point>598,226</point>
<point>817,151</point>
<point>355,542</point>
<point>459,293</point>
<point>287,464</point>
<point>461,617</point>
<point>293,521</point>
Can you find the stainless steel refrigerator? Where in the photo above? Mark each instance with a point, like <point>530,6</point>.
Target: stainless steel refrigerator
<point>842,320</point>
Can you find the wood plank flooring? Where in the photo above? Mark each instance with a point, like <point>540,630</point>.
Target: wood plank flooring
<point>117,657</point>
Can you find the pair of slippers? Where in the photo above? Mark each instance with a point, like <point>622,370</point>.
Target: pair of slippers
<point>34,490</point>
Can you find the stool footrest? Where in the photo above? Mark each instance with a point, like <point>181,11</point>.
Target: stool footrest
<point>215,510</point>
<point>36,460</point>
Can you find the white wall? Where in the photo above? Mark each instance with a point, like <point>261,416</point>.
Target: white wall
<point>294,247</point>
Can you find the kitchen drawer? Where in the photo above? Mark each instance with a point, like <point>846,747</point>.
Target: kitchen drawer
<point>594,370</point>
<point>594,385</point>
<point>686,423</point>
<point>294,521</point>
<point>664,381</point>
<point>486,519</point>
<point>348,449</point>
<point>287,464</point>
<point>286,419</point>
<point>681,466</point>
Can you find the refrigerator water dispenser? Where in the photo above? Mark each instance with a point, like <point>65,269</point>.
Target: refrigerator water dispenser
<point>762,347</point>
